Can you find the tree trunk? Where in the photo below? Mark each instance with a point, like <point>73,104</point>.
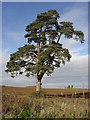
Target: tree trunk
<point>38,84</point>
<point>38,81</point>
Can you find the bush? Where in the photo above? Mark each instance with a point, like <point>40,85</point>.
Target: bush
<point>26,113</point>
<point>71,86</point>
<point>40,94</point>
<point>68,86</point>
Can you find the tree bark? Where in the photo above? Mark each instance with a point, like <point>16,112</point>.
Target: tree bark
<point>38,84</point>
<point>59,38</point>
<point>38,81</point>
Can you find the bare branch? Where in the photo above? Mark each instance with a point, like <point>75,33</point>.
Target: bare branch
<point>59,38</point>
<point>35,54</point>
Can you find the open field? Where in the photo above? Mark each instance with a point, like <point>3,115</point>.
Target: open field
<point>29,90</point>
<point>17,103</point>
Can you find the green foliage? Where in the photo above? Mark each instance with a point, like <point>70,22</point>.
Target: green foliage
<point>67,29</point>
<point>79,36</point>
<point>74,115</point>
<point>40,94</point>
<point>68,86</point>
<point>47,61</point>
<point>21,59</point>
<point>71,86</point>
<point>43,52</point>
<point>25,113</point>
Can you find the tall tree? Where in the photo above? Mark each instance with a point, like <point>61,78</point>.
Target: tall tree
<point>43,52</point>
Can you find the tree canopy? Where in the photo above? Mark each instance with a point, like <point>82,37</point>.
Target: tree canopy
<point>43,51</point>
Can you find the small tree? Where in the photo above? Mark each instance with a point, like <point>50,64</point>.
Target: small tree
<point>71,86</point>
<point>68,86</point>
<point>43,52</point>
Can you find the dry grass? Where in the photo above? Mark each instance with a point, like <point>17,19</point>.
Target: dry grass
<point>17,103</point>
<point>28,90</point>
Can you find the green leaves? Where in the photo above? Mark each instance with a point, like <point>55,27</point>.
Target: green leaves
<point>51,56</point>
<point>66,28</point>
<point>23,58</point>
<point>44,52</point>
<point>43,28</point>
<point>79,36</point>
<point>45,16</point>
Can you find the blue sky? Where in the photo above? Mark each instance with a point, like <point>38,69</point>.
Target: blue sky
<point>45,0</point>
<point>15,16</point>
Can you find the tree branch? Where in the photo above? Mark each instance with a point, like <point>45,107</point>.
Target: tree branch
<point>59,38</point>
<point>35,54</point>
<point>43,41</point>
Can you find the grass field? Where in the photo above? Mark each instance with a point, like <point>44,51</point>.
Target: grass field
<point>20,102</point>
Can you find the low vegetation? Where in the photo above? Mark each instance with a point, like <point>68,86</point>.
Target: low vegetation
<point>37,105</point>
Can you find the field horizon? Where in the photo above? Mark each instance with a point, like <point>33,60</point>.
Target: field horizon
<point>49,91</point>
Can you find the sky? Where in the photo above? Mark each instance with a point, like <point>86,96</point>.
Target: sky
<point>15,17</point>
<point>0,41</point>
<point>45,0</point>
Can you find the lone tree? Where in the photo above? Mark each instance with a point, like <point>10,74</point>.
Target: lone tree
<point>43,52</point>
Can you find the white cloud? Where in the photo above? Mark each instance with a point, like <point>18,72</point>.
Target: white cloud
<point>0,62</point>
<point>72,13</point>
<point>78,66</point>
<point>18,80</point>
<point>79,16</point>
<point>74,72</point>
<point>5,56</point>
<point>68,42</point>
<point>78,50</point>
<point>0,52</point>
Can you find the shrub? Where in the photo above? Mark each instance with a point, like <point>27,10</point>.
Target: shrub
<point>26,113</point>
<point>71,86</point>
<point>68,86</point>
<point>40,94</point>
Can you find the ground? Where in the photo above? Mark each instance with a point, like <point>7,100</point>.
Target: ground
<point>22,102</point>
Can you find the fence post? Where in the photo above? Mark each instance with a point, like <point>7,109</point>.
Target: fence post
<point>72,95</point>
<point>75,94</point>
<point>83,94</point>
